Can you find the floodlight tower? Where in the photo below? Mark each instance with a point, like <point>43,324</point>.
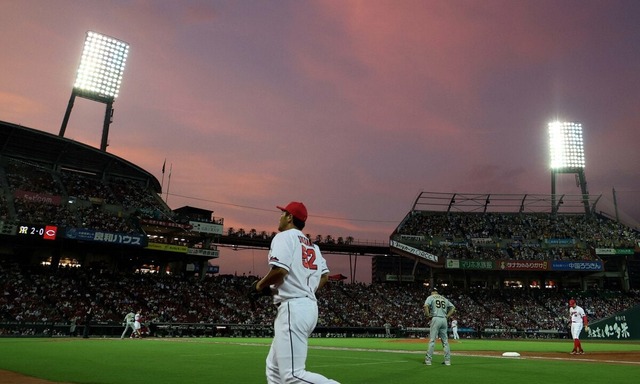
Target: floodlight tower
<point>99,77</point>
<point>567,156</point>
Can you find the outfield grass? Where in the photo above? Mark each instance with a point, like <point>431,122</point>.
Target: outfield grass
<point>236,360</point>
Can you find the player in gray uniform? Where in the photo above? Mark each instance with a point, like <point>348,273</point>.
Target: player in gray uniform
<point>297,271</point>
<point>128,323</point>
<point>440,309</point>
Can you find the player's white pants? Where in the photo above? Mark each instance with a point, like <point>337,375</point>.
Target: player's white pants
<point>576,328</point>
<point>295,320</point>
<point>438,328</point>
<point>455,333</point>
<point>126,327</point>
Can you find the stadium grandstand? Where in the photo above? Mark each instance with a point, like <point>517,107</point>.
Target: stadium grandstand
<point>67,202</point>
<point>516,240</point>
<point>79,227</point>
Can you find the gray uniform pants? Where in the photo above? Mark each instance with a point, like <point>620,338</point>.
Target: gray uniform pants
<point>438,328</point>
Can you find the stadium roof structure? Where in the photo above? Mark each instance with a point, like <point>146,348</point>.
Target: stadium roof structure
<point>57,153</point>
<point>503,203</point>
<point>194,212</point>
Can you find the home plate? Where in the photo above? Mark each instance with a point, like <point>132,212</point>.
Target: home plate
<point>511,354</point>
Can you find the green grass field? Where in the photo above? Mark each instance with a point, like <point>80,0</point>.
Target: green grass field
<point>370,361</point>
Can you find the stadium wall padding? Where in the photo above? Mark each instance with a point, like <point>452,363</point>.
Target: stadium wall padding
<point>621,326</point>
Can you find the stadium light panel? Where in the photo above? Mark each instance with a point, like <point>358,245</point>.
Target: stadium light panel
<point>101,67</point>
<point>566,145</point>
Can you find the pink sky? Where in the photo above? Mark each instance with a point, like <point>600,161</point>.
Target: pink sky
<point>352,107</point>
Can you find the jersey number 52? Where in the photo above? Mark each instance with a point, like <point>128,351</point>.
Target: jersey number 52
<point>309,258</point>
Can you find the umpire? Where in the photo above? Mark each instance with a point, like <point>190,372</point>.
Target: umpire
<point>440,309</point>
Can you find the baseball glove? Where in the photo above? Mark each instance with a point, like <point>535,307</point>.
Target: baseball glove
<point>254,294</point>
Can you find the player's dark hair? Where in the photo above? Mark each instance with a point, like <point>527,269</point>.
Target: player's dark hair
<point>298,223</point>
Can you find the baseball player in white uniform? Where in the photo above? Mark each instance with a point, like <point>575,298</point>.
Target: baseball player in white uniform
<point>297,271</point>
<point>578,321</point>
<point>440,309</point>
<point>137,325</point>
<point>454,329</point>
<point>128,322</point>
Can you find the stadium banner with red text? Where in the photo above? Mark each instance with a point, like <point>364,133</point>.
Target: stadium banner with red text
<point>35,197</point>
<point>621,326</point>
<point>523,265</point>
<point>105,237</point>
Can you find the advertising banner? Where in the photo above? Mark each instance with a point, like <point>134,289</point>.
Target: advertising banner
<point>565,265</point>
<point>212,228</point>
<point>613,251</point>
<point>203,252</point>
<point>477,264</point>
<point>164,223</point>
<point>105,237</point>
<point>622,326</point>
<point>560,241</point>
<point>167,247</point>
<point>470,264</point>
<point>34,197</point>
<point>523,265</point>
<point>413,251</point>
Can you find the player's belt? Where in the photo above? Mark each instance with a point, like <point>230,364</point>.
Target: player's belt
<point>292,298</point>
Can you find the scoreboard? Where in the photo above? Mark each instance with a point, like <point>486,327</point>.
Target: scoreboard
<point>46,232</point>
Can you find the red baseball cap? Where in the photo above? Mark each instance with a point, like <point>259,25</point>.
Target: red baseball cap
<point>297,209</point>
<point>572,303</point>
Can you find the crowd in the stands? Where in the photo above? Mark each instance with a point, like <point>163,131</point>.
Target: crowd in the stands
<point>32,194</point>
<point>514,236</point>
<point>41,294</point>
<point>36,195</point>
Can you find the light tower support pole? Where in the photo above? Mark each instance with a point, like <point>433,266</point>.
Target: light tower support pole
<point>584,190</point>
<point>65,121</point>
<point>553,191</point>
<point>105,128</point>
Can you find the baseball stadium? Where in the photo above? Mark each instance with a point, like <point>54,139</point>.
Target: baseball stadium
<point>86,241</point>
<point>81,228</point>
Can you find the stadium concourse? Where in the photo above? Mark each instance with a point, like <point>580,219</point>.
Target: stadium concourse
<point>79,227</point>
